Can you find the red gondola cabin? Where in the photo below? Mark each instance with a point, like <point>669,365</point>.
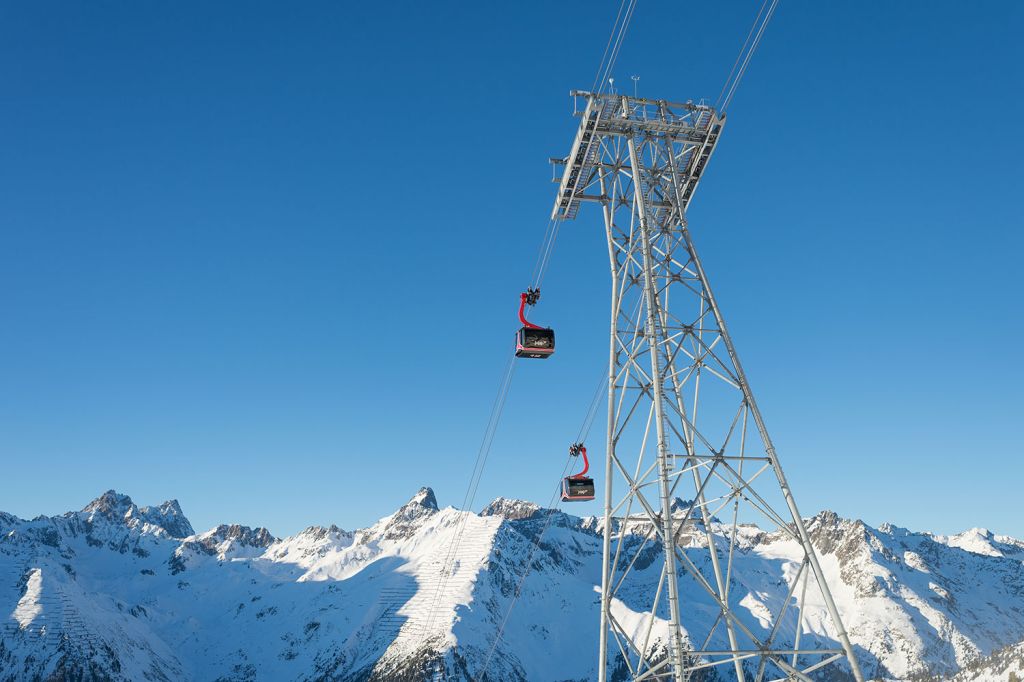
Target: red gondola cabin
<point>535,342</point>
<point>577,489</point>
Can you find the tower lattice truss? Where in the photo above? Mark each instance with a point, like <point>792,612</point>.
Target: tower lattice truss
<point>692,481</point>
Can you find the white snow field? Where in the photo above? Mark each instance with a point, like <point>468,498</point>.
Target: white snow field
<point>119,592</point>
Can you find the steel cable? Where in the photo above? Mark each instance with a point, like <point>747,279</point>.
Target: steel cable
<point>611,50</point>
<point>553,509</point>
<point>750,45</point>
<point>620,39</point>
<point>739,57</point>
<point>607,47</point>
<point>474,483</point>
<point>607,64</point>
<point>611,53</point>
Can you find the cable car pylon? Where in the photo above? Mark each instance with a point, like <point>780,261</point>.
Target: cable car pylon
<point>689,460</point>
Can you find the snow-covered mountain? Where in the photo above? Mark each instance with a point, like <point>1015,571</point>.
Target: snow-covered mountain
<point>121,592</point>
<point>1004,665</point>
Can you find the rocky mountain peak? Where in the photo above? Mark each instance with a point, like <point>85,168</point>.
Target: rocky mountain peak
<point>224,542</point>
<point>169,517</point>
<point>111,505</point>
<point>424,498</point>
<point>243,536</point>
<point>513,510</point>
<point>825,517</point>
<point>833,534</point>
<point>679,505</point>
<point>118,508</point>
<point>318,533</point>
<point>407,520</point>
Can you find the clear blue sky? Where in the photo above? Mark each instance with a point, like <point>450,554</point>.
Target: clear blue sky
<point>264,257</point>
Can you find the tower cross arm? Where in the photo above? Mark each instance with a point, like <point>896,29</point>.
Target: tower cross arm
<point>608,117</point>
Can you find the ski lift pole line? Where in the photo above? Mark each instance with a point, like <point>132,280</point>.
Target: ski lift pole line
<point>488,439</point>
<point>474,483</point>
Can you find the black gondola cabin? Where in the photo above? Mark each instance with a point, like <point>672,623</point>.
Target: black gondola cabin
<point>577,489</point>
<point>533,342</point>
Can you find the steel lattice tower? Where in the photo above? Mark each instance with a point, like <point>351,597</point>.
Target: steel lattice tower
<point>683,423</point>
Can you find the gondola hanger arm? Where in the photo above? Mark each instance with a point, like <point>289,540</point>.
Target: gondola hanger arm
<point>586,462</point>
<point>523,300</point>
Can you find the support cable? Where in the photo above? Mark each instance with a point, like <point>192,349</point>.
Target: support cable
<point>739,57</point>
<point>615,40</point>
<point>611,40</point>
<point>607,64</point>
<point>553,510</point>
<point>546,245</point>
<point>546,249</point>
<point>606,67</point>
<point>620,39</point>
<point>474,483</point>
<point>750,45</point>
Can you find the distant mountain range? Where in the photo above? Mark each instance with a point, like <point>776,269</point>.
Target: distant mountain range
<point>121,592</point>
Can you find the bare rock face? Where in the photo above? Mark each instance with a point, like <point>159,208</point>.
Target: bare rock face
<point>1003,665</point>
<point>242,536</point>
<point>850,542</point>
<point>512,510</point>
<point>119,509</point>
<point>169,517</point>
<point>225,543</point>
<point>121,592</point>
<point>404,523</point>
<point>110,505</point>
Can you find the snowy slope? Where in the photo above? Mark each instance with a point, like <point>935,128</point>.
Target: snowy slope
<point>122,592</point>
<point>1005,665</point>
